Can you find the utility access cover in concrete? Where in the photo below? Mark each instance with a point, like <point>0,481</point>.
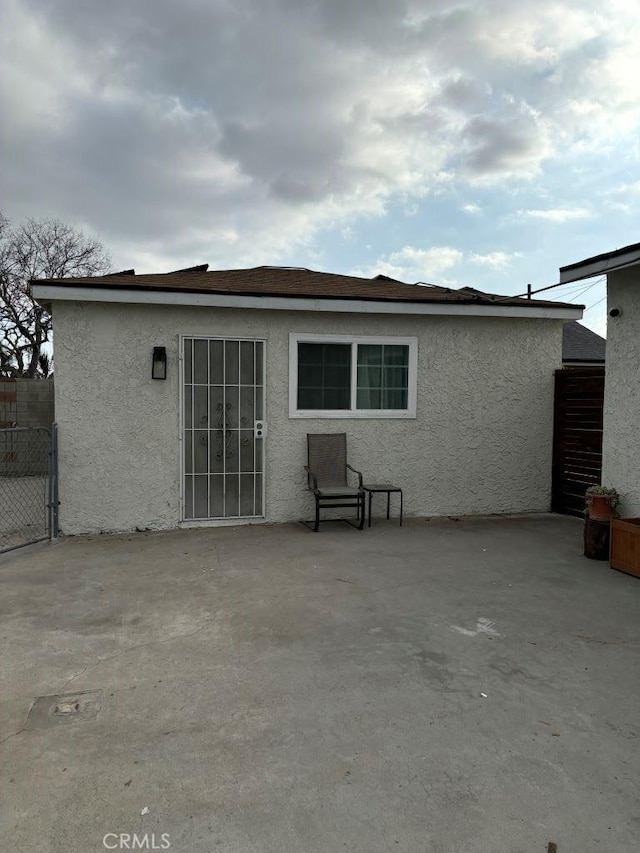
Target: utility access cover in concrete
<point>48,711</point>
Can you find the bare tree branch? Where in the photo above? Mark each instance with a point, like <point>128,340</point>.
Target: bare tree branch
<point>44,248</point>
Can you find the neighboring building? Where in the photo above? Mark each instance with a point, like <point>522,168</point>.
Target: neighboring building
<point>581,347</point>
<point>621,435</point>
<point>447,393</point>
<point>26,402</point>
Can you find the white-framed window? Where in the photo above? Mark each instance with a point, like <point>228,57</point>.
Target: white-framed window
<point>337,376</point>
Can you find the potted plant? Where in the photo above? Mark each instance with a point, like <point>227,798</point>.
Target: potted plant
<point>601,503</point>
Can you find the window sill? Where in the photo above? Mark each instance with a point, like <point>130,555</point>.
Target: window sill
<point>359,414</point>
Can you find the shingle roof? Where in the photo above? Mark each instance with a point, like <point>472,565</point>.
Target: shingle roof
<point>294,282</point>
<point>581,344</point>
<point>605,256</point>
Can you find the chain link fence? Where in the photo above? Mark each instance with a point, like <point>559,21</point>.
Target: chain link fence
<point>28,486</point>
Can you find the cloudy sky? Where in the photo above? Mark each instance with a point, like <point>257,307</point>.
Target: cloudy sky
<point>456,142</point>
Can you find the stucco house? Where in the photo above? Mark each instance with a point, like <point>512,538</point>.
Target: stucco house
<point>621,424</point>
<point>447,393</point>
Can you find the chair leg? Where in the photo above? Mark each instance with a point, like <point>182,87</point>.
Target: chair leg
<point>315,529</point>
<point>361,510</point>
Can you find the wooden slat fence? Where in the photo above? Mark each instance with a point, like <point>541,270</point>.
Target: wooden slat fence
<point>577,440</point>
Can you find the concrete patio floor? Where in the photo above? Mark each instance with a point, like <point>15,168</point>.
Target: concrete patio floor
<point>270,689</point>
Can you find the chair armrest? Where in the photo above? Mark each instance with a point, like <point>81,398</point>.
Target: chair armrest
<point>351,468</point>
<point>312,480</point>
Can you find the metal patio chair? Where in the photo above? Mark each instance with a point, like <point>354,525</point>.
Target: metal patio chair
<point>327,477</point>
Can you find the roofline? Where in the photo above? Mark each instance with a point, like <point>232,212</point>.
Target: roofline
<point>53,293</point>
<point>600,264</point>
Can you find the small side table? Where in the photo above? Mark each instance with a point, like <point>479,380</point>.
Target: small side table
<point>383,487</point>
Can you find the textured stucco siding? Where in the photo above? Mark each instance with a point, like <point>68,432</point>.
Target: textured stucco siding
<point>481,442</point>
<point>621,435</point>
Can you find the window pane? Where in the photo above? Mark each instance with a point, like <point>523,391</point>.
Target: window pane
<point>383,371</point>
<point>369,354</point>
<point>369,377</point>
<point>394,399</point>
<point>369,398</point>
<point>310,398</point>
<point>324,376</point>
<point>396,355</point>
<point>395,377</point>
<point>336,398</point>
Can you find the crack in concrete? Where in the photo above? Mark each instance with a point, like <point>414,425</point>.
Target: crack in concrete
<point>22,727</point>
<point>84,669</point>
<point>130,649</point>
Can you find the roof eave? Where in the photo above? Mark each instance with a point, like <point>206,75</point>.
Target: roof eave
<point>48,293</point>
<point>600,264</point>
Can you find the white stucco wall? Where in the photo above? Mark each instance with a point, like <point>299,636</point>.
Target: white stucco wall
<point>621,434</point>
<point>481,442</point>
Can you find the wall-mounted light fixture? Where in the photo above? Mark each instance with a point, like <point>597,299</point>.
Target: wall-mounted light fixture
<point>159,363</point>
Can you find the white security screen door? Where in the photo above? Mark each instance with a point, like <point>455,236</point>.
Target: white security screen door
<point>223,428</point>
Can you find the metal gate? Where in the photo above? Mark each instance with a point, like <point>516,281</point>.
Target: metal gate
<point>223,428</point>
<point>28,485</point>
<point>577,438</point>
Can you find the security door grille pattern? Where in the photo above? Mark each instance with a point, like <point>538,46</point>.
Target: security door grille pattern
<point>223,411</point>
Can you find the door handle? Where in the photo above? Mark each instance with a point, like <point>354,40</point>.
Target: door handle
<point>259,429</point>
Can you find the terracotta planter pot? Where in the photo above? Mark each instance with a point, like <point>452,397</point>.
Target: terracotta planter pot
<point>599,507</point>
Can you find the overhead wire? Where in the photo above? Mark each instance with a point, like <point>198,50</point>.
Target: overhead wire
<point>587,288</point>
<point>603,274</point>
<point>595,303</point>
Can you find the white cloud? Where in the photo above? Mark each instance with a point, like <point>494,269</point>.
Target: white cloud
<point>415,264</point>
<point>558,214</point>
<point>235,132</point>
<point>625,197</point>
<point>471,208</point>
<point>498,261</point>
